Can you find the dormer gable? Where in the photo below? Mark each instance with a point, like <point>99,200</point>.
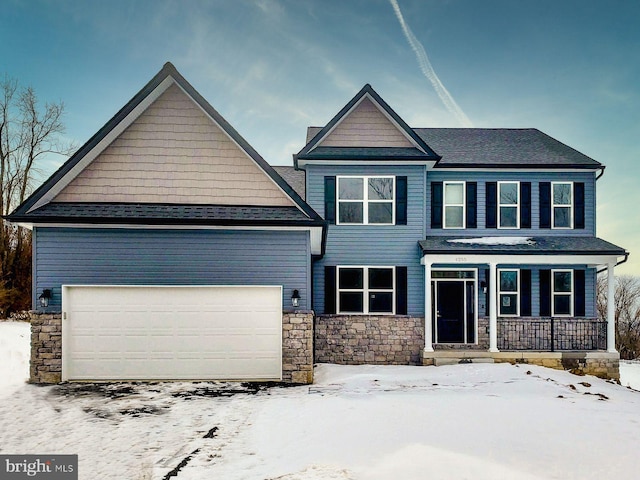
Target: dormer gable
<point>366,127</point>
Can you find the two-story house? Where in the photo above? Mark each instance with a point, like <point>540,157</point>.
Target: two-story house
<point>167,248</point>
<point>449,244</point>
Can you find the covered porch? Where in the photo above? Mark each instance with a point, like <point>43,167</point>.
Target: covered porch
<point>518,299</point>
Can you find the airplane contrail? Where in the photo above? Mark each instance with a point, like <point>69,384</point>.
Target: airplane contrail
<point>427,70</point>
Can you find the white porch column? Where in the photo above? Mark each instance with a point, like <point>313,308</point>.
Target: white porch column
<point>611,318</point>
<point>428,331</point>
<point>493,308</point>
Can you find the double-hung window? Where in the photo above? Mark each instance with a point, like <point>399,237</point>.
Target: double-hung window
<point>562,204</point>
<point>366,289</point>
<point>366,200</point>
<point>509,292</point>
<point>454,204</point>
<point>562,293</point>
<point>509,204</point>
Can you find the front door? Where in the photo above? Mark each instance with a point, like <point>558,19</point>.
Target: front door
<point>450,311</point>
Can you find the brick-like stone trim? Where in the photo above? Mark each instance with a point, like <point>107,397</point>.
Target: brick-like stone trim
<point>297,347</point>
<point>369,339</point>
<point>46,348</point>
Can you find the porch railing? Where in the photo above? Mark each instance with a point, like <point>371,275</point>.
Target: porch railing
<point>552,334</point>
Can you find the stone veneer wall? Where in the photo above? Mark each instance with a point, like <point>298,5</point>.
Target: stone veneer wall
<point>297,347</point>
<point>598,364</point>
<point>369,339</point>
<point>46,348</point>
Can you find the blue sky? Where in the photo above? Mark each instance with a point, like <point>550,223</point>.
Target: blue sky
<point>271,68</point>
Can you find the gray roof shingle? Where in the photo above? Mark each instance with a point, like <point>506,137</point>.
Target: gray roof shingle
<point>502,147</point>
<point>295,178</point>
<point>570,245</point>
<point>167,214</point>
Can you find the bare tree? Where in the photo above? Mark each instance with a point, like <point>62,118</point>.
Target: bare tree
<point>626,313</point>
<point>28,133</point>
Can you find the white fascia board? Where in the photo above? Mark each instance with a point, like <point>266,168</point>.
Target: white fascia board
<point>315,233</point>
<point>462,258</point>
<point>516,169</point>
<point>381,110</point>
<point>104,143</point>
<point>365,163</point>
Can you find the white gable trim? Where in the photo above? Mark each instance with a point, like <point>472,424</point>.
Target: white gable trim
<point>381,110</point>
<point>104,143</point>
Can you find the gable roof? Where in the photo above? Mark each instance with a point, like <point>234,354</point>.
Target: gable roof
<point>166,77</point>
<point>502,147</point>
<point>314,151</point>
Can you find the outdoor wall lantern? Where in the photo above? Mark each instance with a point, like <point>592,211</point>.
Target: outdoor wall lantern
<point>483,286</point>
<point>295,299</point>
<point>45,297</point>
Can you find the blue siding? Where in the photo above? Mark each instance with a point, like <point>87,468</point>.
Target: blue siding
<point>393,245</point>
<point>535,178</point>
<point>171,257</point>
<point>590,287</point>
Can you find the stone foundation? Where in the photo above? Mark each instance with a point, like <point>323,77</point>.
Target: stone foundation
<point>599,364</point>
<point>46,348</point>
<point>369,339</point>
<point>297,347</point>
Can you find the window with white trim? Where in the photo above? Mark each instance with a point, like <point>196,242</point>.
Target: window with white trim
<point>366,200</point>
<point>509,292</point>
<point>561,293</point>
<point>509,204</point>
<point>454,204</point>
<point>562,204</point>
<point>366,289</point>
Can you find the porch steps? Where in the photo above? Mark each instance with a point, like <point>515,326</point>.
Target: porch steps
<point>439,361</point>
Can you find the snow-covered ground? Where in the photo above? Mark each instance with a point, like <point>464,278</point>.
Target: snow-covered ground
<point>456,422</point>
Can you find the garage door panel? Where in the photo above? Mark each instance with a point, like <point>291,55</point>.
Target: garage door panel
<point>131,333</point>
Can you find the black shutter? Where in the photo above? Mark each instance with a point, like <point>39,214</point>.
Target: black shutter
<point>579,293</point>
<point>401,290</point>
<point>545,293</point>
<point>329,289</point>
<point>330,199</point>
<point>401,200</point>
<point>436,204</point>
<point>545,204</point>
<point>578,191</point>
<point>525,205</point>
<point>492,204</point>
<point>525,293</point>
<point>472,205</point>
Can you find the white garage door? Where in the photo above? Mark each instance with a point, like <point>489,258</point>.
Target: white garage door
<point>171,333</point>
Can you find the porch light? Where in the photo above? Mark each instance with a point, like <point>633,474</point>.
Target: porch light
<point>483,286</point>
<point>45,297</point>
<point>295,299</point>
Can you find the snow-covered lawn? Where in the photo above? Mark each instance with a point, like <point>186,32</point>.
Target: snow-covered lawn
<point>456,422</point>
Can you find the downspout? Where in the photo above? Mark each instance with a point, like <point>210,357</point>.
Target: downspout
<point>601,173</point>
<point>626,257</point>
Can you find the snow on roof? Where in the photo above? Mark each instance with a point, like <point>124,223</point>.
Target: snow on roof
<point>496,240</point>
